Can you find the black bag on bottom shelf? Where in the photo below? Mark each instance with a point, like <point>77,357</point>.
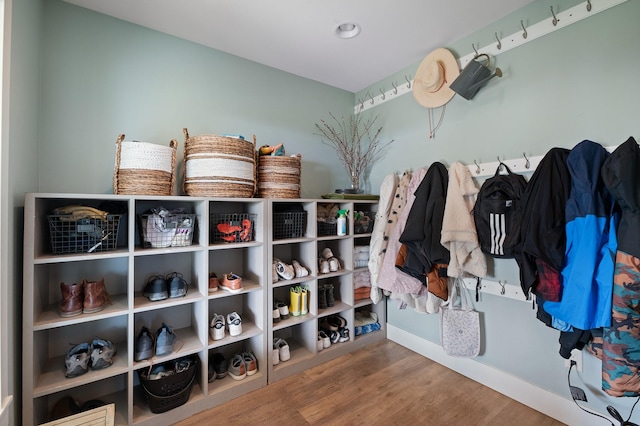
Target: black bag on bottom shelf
<point>166,393</point>
<point>497,213</point>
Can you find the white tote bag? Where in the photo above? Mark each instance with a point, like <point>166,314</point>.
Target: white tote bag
<point>460,326</point>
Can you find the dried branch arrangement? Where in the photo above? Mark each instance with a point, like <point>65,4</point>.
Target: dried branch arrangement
<point>358,146</point>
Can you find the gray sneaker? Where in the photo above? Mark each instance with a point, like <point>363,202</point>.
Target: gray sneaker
<point>177,285</point>
<point>144,345</point>
<point>77,360</point>
<point>165,341</point>
<point>102,352</point>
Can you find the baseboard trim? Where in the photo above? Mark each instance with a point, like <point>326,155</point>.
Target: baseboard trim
<point>558,407</point>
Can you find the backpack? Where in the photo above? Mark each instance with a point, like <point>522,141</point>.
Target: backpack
<point>497,214</point>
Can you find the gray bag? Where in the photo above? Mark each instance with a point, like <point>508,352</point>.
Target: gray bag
<point>460,326</point>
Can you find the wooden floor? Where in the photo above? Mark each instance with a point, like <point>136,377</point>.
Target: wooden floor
<point>382,384</point>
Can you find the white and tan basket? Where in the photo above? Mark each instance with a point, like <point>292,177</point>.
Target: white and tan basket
<point>219,166</point>
<point>143,168</point>
<point>279,177</point>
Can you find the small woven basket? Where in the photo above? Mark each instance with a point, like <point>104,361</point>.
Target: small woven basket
<point>219,166</point>
<point>279,177</point>
<point>144,168</point>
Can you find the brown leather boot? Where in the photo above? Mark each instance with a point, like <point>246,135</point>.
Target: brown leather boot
<point>96,297</point>
<point>71,303</point>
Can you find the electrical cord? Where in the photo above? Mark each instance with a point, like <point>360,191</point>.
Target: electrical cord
<point>614,413</point>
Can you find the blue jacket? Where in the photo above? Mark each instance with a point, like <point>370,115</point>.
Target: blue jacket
<point>588,267</point>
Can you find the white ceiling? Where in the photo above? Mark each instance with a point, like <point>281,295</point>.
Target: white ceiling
<point>298,36</point>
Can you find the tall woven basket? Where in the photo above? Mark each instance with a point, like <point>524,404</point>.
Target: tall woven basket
<point>219,166</point>
<point>279,177</point>
<point>143,168</point>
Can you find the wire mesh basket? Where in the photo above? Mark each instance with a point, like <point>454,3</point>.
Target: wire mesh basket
<point>86,235</point>
<point>289,225</point>
<point>232,227</point>
<point>172,230</point>
<point>363,222</point>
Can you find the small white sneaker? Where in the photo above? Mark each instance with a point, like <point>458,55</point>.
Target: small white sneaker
<point>275,356</point>
<point>234,322</point>
<point>324,266</point>
<point>334,264</point>
<point>274,273</point>
<point>216,330</point>
<point>285,271</point>
<point>327,253</point>
<point>283,349</point>
<point>300,270</point>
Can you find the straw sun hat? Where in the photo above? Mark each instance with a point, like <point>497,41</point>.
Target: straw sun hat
<point>434,76</point>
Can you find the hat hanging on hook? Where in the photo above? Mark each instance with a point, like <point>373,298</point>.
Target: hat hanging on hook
<point>435,73</point>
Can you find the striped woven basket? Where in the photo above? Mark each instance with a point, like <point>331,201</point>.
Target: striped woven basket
<point>219,166</point>
<point>143,168</point>
<point>279,177</point>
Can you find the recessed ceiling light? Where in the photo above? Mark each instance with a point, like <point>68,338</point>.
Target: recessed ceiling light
<point>348,30</point>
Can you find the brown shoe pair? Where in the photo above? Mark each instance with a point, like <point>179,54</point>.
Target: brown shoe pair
<point>86,297</point>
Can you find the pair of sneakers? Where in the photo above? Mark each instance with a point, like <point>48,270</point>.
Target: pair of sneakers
<point>161,287</point>
<point>218,325</point>
<point>147,346</point>
<point>328,262</point>
<point>282,270</point>
<point>242,365</point>
<point>95,355</point>
<point>280,352</point>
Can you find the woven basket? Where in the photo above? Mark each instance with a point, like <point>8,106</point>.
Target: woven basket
<point>144,168</point>
<point>279,177</point>
<point>219,166</point>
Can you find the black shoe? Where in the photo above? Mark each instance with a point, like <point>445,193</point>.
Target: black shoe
<point>156,288</point>
<point>177,285</point>
<point>322,296</point>
<point>220,365</point>
<point>330,299</point>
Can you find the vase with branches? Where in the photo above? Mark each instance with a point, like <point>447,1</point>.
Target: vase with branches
<point>356,142</point>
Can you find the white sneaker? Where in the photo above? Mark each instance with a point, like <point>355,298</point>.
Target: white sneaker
<point>334,264</point>
<point>234,322</point>
<point>326,341</point>
<point>327,253</point>
<point>285,271</point>
<point>216,330</point>
<point>300,270</point>
<point>275,355</point>
<point>274,273</point>
<point>324,266</point>
<point>283,349</point>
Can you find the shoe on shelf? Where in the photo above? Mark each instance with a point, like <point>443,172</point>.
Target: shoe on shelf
<point>220,365</point>
<point>283,308</point>
<point>144,345</point>
<point>211,372</point>
<point>156,288</point>
<point>294,301</point>
<point>344,334</point>
<point>304,300</point>
<point>275,356</point>
<point>276,314</point>
<point>177,285</point>
<point>334,264</point>
<point>234,323</point>
<point>330,323</point>
<point>327,253</point>
<point>329,295</point>
<point>214,282</point>
<point>274,273</point>
<point>319,344</point>
<point>232,283</point>
<point>250,363</point>
<point>283,349</point>
<point>165,341</point>
<point>102,352</point>
<point>77,360</point>
<point>334,336</point>
<point>323,266</point>
<point>322,296</point>
<point>72,298</point>
<point>300,270</point>
<point>326,341</point>
<point>216,329</point>
<point>96,297</point>
<point>237,369</point>
<point>285,271</point>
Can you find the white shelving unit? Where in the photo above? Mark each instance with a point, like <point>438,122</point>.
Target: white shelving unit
<point>126,269</point>
<point>301,332</point>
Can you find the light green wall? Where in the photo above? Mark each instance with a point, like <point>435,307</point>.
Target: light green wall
<point>580,82</point>
<point>103,76</point>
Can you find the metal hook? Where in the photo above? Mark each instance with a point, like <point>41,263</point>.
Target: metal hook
<point>527,164</point>
<point>361,104</point>
<point>371,97</point>
<point>395,88</point>
<point>474,48</point>
<point>383,95</point>
<point>408,82</point>
<point>588,5</point>
<point>500,164</point>
<point>499,46</point>
<point>477,167</point>
<point>524,34</point>
<point>503,290</point>
<point>555,20</point>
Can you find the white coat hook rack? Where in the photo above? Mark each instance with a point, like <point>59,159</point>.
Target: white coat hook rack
<point>523,36</point>
<point>498,288</point>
